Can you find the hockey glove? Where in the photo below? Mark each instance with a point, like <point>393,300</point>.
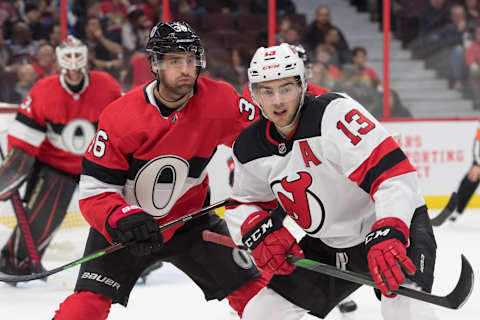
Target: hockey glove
<point>386,253</point>
<point>136,229</point>
<point>269,242</point>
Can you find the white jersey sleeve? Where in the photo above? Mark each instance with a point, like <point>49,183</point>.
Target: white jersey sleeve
<point>362,150</point>
<point>252,191</point>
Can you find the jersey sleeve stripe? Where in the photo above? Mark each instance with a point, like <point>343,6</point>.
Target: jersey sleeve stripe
<point>26,133</point>
<point>90,186</point>
<point>29,122</point>
<point>269,205</point>
<point>382,162</point>
<point>104,174</point>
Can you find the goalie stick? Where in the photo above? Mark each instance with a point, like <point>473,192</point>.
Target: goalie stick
<point>24,226</point>
<point>454,300</point>
<point>112,248</point>
<point>446,212</point>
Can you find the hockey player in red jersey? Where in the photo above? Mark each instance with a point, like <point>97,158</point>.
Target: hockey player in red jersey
<point>342,178</point>
<point>51,131</point>
<point>145,167</point>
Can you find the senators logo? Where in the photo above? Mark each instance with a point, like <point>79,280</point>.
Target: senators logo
<point>299,202</point>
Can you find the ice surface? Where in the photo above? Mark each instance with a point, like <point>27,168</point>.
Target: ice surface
<point>169,294</point>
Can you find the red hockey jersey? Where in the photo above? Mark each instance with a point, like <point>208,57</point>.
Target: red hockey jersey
<point>56,125</point>
<point>158,161</point>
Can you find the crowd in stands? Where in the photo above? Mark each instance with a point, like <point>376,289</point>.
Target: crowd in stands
<point>115,33</point>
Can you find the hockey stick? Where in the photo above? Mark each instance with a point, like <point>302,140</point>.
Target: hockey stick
<point>25,229</point>
<point>454,300</point>
<point>446,212</point>
<point>112,248</point>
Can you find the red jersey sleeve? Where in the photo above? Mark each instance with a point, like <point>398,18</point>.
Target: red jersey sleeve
<point>28,130</point>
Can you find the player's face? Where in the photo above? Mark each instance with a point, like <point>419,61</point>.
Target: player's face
<point>178,72</point>
<point>74,77</point>
<point>279,100</point>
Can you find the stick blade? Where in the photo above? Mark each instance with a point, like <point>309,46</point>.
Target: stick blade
<point>464,287</point>
<point>446,212</point>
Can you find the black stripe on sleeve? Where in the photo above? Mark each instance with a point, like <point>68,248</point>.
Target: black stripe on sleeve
<point>104,174</point>
<point>387,162</point>
<point>29,122</point>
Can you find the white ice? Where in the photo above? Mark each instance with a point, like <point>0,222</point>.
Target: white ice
<point>169,294</point>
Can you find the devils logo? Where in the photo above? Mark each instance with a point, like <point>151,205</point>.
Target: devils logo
<point>299,202</point>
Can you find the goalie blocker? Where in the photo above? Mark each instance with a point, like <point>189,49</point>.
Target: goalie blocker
<point>47,197</point>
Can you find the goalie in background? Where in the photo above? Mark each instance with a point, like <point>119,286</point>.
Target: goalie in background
<point>51,131</point>
<point>344,180</point>
<point>458,200</point>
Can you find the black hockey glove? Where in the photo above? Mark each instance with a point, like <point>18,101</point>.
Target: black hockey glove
<point>136,229</point>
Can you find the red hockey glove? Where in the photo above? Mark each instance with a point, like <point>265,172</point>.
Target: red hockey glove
<point>269,242</point>
<point>386,253</point>
<point>136,229</point>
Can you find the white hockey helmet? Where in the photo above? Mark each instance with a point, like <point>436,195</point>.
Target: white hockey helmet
<point>275,63</point>
<point>72,54</point>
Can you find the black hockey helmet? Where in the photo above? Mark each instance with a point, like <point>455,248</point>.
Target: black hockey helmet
<point>178,36</point>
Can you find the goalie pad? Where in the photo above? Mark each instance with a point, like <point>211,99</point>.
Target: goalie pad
<point>49,194</point>
<point>15,169</point>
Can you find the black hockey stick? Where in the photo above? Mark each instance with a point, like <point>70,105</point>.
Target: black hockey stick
<point>112,248</point>
<point>453,300</point>
<point>25,230</point>
<point>446,212</point>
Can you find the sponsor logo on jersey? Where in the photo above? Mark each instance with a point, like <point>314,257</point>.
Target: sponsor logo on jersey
<point>102,279</point>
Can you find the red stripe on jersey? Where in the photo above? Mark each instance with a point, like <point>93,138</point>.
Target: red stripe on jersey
<point>387,146</point>
<point>22,145</point>
<point>269,205</point>
<point>400,168</point>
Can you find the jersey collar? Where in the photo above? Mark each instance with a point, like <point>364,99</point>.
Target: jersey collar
<point>65,86</point>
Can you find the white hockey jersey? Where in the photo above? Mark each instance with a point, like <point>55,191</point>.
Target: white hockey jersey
<point>335,175</point>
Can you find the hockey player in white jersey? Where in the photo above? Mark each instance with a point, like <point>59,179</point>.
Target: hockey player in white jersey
<point>343,179</point>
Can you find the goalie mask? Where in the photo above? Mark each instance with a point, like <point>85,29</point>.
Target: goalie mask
<point>274,63</point>
<point>72,54</point>
<point>171,37</point>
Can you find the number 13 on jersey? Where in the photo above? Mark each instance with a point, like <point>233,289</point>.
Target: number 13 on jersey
<point>366,125</point>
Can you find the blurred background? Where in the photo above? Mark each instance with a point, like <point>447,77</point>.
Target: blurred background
<point>432,46</point>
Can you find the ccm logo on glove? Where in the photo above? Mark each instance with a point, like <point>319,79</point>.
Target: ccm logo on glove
<point>258,234</point>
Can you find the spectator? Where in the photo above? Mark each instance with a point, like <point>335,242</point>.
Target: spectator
<point>152,10</point>
<point>7,73</point>
<point>323,55</point>
<point>134,30</point>
<point>293,36</point>
<point>21,45</point>
<point>358,90</point>
<point>320,76</point>
<point>92,10</point>
<point>218,6</point>
<point>115,14</point>
<point>55,35</point>
<point>103,53</point>
<point>369,75</point>
<point>472,58</point>
<point>339,51</point>
<point>44,65</point>
<point>283,27</point>
<point>315,33</point>
<point>472,11</point>
<point>32,18</point>
<point>397,109</point>
<point>282,6</point>
<point>433,17</point>
<point>26,80</point>
<point>235,73</point>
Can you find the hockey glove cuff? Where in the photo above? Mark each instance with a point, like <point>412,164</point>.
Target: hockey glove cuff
<point>387,253</point>
<point>269,242</point>
<point>136,229</point>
